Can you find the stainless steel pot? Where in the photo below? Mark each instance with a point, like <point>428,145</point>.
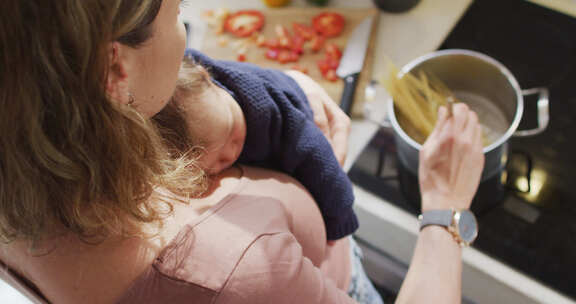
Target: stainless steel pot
<point>488,88</point>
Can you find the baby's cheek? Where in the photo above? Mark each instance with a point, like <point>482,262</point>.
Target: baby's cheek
<point>206,160</point>
<point>210,162</point>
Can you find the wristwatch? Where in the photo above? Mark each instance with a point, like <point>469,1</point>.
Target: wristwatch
<point>461,223</point>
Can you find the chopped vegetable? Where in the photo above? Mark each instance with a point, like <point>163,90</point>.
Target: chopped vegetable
<point>286,56</point>
<point>326,64</point>
<point>272,43</point>
<point>287,45</point>
<point>298,45</point>
<point>329,24</point>
<point>244,23</point>
<point>261,41</point>
<point>332,51</point>
<point>304,31</point>
<point>330,75</point>
<point>272,54</point>
<point>317,43</point>
<point>284,37</point>
<point>329,64</point>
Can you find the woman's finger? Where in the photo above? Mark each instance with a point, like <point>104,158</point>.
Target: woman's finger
<point>470,127</point>
<point>460,114</point>
<point>440,124</point>
<point>467,142</point>
<point>442,117</point>
<point>438,144</point>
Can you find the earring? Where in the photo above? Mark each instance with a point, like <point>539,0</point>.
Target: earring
<point>131,99</point>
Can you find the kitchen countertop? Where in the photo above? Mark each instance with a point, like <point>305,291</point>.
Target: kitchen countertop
<point>401,38</point>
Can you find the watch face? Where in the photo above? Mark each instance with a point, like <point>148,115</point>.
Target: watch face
<point>467,226</point>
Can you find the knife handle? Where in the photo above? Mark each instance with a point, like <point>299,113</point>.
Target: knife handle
<point>347,99</point>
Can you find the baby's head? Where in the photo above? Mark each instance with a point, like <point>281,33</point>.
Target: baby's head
<point>215,120</point>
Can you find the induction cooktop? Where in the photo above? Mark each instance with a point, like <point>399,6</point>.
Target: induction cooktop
<point>531,224</point>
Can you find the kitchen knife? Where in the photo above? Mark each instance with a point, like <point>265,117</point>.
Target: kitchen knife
<point>352,62</point>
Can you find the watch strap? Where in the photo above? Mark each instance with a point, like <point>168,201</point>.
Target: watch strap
<point>436,217</point>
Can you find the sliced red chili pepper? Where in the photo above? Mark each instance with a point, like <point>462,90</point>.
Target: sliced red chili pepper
<point>294,57</point>
<point>329,24</point>
<point>326,64</point>
<point>272,54</point>
<point>261,41</point>
<point>330,75</point>
<point>244,23</point>
<point>303,31</point>
<point>284,37</point>
<point>323,65</point>
<point>272,43</point>
<point>298,44</point>
<point>286,56</point>
<point>332,51</point>
<point>317,43</point>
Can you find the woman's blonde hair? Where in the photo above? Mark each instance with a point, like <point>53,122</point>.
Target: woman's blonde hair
<point>69,157</point>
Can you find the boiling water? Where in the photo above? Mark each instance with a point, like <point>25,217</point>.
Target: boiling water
<point>493,121</point>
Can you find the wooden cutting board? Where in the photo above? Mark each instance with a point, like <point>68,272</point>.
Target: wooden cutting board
<point>286,16</point>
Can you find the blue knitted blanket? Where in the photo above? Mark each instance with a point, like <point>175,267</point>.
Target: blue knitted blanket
<point>281,135</point>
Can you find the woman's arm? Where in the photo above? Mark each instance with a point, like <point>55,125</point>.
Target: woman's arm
<point>451,162</point>
<point>435,273</point>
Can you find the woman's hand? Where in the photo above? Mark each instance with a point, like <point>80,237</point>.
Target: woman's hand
<point>333,122</point>
<point>451,160</point>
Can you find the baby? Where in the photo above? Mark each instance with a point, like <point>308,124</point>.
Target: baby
<point>216,123</point>
<point>262,118</point>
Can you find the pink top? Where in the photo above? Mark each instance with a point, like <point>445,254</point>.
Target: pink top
<point>265,243</point>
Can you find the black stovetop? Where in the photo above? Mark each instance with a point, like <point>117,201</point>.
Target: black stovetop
<point>533,232</point>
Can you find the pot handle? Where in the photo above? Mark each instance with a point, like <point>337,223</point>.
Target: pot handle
<point>543,112</point>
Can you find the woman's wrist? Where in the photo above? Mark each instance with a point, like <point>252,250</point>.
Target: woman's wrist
<point>435,202</point>
<point>438,236</point>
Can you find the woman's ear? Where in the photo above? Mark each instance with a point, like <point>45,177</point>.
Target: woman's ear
<point>116,76</point>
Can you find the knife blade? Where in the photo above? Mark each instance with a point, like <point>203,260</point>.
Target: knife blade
<point>352,62</point>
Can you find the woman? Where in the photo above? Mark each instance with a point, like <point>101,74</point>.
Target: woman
<point>97,207</point>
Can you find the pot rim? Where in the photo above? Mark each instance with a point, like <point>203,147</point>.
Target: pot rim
<point>511,79</point>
